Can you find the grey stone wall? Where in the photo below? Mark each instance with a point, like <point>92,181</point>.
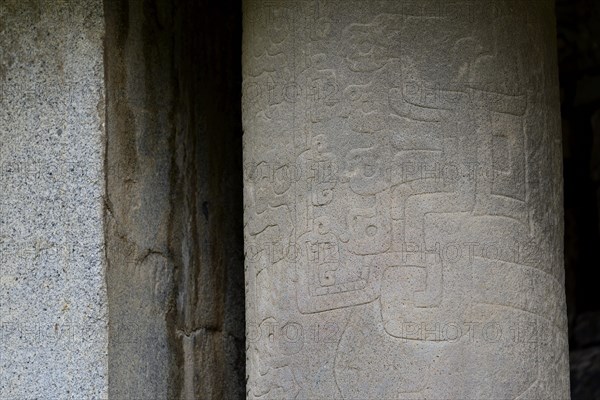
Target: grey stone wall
<point>174,205</point>
<point>53,304</point>
<point>121,268</point>
<point>208,235</point>
<point>138,213</point>
<point>403,223</point>
<point>403,200</point>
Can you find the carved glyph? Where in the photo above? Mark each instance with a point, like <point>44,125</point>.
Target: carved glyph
<point>408,223</point>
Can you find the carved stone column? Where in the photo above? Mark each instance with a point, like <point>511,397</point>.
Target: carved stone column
<point>403,200</point>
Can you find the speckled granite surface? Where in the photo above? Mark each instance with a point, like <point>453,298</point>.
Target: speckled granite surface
<point>53,306</point>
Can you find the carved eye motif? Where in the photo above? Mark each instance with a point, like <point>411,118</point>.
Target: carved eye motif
<point>322,225</point>
<point>365,46</point>
<point>327,278</point>
<point>371,230</point>
<point>353,93</point>
<point>322,28</point>
<point>369,170</point>
<point>320,143</point>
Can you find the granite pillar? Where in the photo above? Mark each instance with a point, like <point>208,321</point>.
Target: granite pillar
<point>403,200</point>
<point>53,303</point>
<point>174,200</point>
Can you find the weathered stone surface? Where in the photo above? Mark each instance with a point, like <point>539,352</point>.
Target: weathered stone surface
<point>140,273</point>
<point>53,307</point>
<point>403,200</point>
<point>208,219</point>
<point>174,200</point>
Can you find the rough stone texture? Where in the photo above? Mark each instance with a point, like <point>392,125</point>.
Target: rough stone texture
<point>174,200</point>
<point>142,349</point>
<point>53,306</point>
<point>403,200</point>
<point>208,221</point>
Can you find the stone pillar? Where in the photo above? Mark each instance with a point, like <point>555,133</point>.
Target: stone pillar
<point>174,200</point>
<point>403,200</point>
<point>53,316</point>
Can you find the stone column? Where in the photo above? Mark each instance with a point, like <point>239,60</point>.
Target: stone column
<point>403,200</point>
<point>53,316</point>
<point>174,200</point>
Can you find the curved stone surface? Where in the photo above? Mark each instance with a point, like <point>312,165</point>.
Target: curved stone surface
<point>403,200</point>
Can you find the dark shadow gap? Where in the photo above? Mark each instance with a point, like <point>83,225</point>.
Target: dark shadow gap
<point>579,69</point>
<point>174,200</point>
